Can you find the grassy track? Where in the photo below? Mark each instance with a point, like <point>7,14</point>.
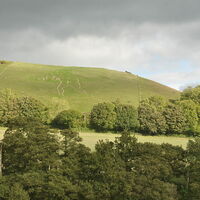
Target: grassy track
<point>78,87</point>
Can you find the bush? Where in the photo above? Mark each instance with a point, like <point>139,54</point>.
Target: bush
<point>68,119</point>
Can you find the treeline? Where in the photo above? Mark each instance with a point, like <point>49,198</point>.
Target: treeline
<point>38,164</point>
<point>182,116</point>
<point>154,115</point>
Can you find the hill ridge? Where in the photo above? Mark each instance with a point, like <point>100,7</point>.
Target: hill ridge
<point>77,87</point>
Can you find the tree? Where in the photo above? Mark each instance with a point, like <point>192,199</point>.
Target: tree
<point>190,112</point>
<point>191,94</point>
<point>103,117</point>
<point>29,107</point>
<point>126,117</point>
<point>193,169</point>
<point>8,108</point>
<point>68,119</point>
<point>175,119</point>
<point>126,169</point>
<point>12,107</point>
<point>17,192</point>
<point>150,115</point>
<point>28,149</point>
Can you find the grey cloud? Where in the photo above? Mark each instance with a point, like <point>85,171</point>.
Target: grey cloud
<point>134,35</point>
<point>66,17</point>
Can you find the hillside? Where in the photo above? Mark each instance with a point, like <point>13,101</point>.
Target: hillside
<point>78,87</point>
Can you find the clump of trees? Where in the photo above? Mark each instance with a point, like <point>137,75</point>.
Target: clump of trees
<point>40,165</point>
<point>113,117</point>
<point>154,115</point>
<point>159,116</point>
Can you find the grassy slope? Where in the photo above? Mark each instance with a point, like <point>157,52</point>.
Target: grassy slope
<point>77,87</point>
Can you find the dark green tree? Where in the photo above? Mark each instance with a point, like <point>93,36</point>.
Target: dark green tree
<point>126,118</point>
<point>193,169</point>
<point>30,149</point>
<point>31,108</point>
<point>17,192</point>
<point>175,119</point>
<point>103,117</point>
<point>68,119</point>
<point>191,114</point>
<point>150,115</point>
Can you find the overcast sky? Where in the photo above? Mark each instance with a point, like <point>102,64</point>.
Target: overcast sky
<point>156,39</point>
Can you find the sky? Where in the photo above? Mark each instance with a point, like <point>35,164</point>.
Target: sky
<point>155,39</point>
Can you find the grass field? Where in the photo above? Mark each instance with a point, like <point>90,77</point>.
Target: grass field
<point>91,138</point>
<point>2,130</point>
<point>78,87</point>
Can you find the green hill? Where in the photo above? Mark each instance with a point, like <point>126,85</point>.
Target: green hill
<point>78,87</point>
